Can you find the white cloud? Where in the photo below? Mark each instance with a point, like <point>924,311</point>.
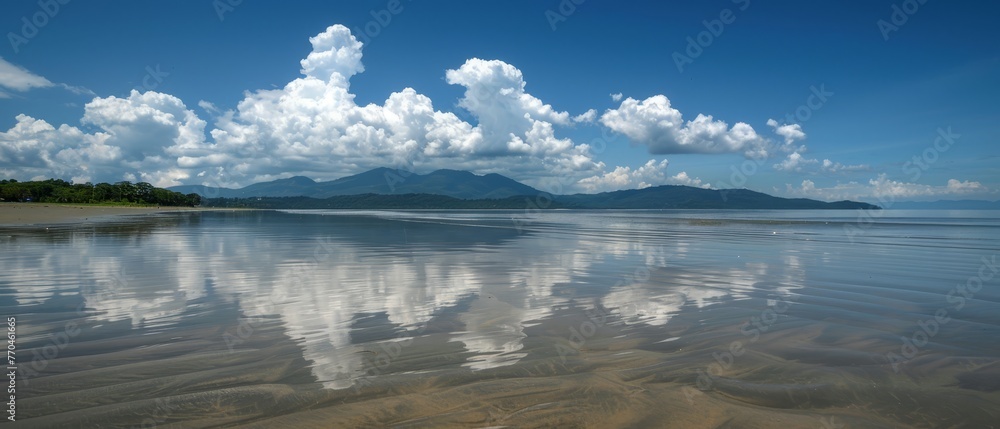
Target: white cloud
<point>882,188</point>
<point>209,107</point>
<point>836,167</point>
<point>336,55</point>
<point>78,90</point>
<point>586,117</point>
<point>616,97</point>
<point>965,187</point>
<point>653,122</point>
<point>650,174</point>
<point>34,148</point>
<point>682,178</point>
<point>790,132</point>
<point>20,79</point>
<point>139,138</point>
<point>495,95</point>
<point>312,127</point>
<point>794,162</point>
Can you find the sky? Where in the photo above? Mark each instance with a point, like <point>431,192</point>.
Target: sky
<point>872,100</point>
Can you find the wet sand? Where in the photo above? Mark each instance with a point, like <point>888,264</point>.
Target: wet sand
<point>191,380</point>
<point>50,213</point>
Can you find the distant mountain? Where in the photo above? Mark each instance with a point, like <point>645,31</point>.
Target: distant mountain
<point>687,197</point>
<point>946,205</point>
<point>387,188</point>
<point>371,202</point>
<point>451,183</point>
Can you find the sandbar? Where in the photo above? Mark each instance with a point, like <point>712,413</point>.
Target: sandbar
<point>15,214</point>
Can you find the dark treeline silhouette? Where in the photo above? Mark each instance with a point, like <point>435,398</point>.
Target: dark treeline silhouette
<point>61,191</point>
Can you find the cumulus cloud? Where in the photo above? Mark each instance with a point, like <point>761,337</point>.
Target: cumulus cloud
<point>35,148</point>
<point>651,174</point>
<point>656,124</point>
<point>794,162</point>
<point>311,126</point>
<point>138,139</point>
<point>682,178</point>
<point>616,97</point>
<point>495,95</point>
<point>586,117</point>
<point>965,187</point>
<point>790,132</point>
<point>882,188</point>
<point>798,163</point>
<point>336,55</point>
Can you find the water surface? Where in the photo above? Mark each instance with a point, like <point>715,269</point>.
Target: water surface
<point>501,318</point>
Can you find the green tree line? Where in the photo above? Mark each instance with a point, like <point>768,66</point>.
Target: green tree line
<point>61,191</point>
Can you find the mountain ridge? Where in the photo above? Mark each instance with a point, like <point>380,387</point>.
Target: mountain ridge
<point>388,188</point>
<point>382,180</point>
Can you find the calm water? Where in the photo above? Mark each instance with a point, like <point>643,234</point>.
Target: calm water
<point>494,318</point>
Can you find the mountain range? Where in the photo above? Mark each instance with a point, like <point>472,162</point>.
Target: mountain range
<point>946,205</point>
<point>388,188</point>
<point>452,183</point>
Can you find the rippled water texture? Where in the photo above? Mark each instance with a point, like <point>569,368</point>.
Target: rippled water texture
<point>693,319</point>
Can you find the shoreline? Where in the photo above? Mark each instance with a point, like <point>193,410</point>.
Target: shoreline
<point>31,214</point>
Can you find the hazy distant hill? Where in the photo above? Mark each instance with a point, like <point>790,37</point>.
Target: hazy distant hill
<point>387,188</point>
<point>686,197</point>
<point>946,205</point>
<point>451,183</point>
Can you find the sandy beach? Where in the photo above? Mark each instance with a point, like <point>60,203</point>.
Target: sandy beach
<point>49,213</point>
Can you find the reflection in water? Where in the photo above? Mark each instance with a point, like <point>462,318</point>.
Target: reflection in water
<point>366,297</point>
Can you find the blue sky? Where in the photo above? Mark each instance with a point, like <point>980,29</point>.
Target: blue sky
<point>506,87</point>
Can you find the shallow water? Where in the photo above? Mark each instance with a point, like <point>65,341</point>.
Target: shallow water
<point>818,319</point>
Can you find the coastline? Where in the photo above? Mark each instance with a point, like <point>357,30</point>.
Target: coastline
<point>26,214</point>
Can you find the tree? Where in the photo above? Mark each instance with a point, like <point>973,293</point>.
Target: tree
<point>143,192</point>
<point>125,191</point>
<point>60,191</point>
